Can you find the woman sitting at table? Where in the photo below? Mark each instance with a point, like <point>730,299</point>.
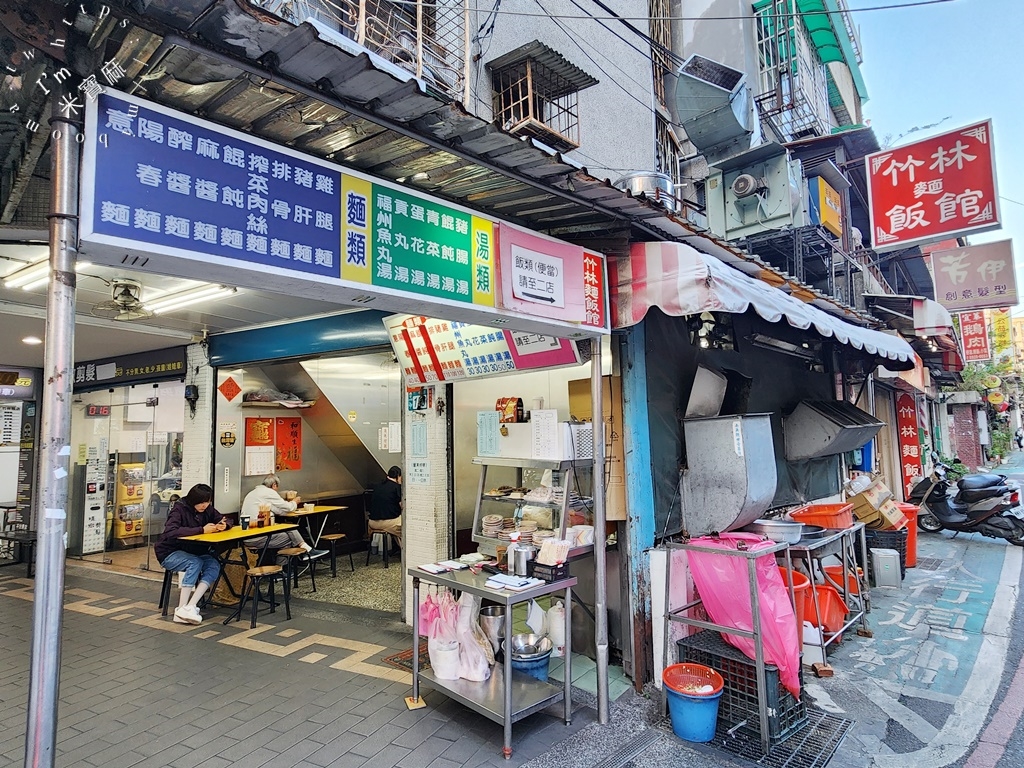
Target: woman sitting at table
<point>190,516</point>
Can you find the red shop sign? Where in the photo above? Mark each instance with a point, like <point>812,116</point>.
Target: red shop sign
<point>974,333</point>
<point>909,444</point>
<point>933,189</point>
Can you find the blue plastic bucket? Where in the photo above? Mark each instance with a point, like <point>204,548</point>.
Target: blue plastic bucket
<point>694,715</point>
<point>537,668</point>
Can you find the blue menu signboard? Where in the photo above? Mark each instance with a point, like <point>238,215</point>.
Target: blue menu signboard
<point>164,181</point>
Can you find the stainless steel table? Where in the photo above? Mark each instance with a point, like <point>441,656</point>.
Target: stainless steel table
<point>508,696</point>
<point>840,543</point>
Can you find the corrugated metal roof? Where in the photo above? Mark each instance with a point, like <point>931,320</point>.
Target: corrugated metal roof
<point>550,59</point>
<point>312,88</point>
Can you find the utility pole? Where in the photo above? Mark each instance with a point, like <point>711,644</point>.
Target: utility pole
<point>50,512</point>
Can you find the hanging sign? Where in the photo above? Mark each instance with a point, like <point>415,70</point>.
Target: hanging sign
<point>933,189</point>
<point>909,442</point>
<point>975,276</point>
<point>1001,335</point>
<point>996,398</point>
<point>207,202</point>
<point>438,350</point>
<point>974,334</point>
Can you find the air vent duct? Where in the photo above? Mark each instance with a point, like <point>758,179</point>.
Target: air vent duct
<point>826,428</point>
<point>712,103</point>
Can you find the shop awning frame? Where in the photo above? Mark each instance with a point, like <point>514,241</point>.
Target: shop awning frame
<point>681,281</point>
<point>925,323</point>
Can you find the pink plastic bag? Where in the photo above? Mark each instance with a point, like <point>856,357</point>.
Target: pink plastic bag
<point>428,614</point>
<point>722,582</point>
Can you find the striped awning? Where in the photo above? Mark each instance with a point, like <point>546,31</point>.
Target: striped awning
<point>681,280</point>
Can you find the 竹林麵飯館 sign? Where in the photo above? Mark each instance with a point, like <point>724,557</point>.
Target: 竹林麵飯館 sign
<point>933,189</point>
<point>207,202</point>
<point>975,276</point>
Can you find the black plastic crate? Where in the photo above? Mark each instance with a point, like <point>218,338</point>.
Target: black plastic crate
<point>896,540</point>
<point>547,572</point>
<point>786,714</point>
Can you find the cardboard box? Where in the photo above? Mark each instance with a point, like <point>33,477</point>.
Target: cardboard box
<point>887,516</point>
<point>876,494</point>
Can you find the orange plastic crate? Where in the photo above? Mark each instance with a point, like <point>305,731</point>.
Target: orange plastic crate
<point>825,515</point>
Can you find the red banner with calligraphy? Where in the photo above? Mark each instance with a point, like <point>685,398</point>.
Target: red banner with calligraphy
<point>937,188</point>
<point>974,334</point>
<point>909,442</point>
<point>289,443</point>
<point>259,431</point>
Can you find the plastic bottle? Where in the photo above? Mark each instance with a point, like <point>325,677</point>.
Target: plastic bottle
<point>556,628</point>
<point>513,544</point>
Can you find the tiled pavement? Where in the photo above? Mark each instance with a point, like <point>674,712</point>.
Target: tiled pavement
<point>138,690</point>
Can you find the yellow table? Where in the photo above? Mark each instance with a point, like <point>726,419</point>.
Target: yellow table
<point>304,515</point>
<point>222,544</point>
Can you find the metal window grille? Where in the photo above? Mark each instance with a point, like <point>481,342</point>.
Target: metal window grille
<point>532,100</point>
<point>793,95</point>
<point>667,149</point>
<point>661,34</point>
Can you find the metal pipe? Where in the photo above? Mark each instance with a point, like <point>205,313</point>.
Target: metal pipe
<point>600,560</point>
<point>55,451</point>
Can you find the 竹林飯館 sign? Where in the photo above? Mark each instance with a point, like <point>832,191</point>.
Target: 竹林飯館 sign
<point>933,189</point>
<point>206,202</point>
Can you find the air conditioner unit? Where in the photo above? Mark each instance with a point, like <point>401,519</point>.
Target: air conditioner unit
<point>756,191</point>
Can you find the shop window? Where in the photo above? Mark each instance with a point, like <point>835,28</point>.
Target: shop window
<point>536,95</point>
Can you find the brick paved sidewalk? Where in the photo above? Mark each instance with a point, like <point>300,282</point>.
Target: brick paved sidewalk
<point>139,690</point>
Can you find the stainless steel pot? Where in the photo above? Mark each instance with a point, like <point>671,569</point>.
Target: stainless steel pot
<point>492,622</point>
<point>777,530</point>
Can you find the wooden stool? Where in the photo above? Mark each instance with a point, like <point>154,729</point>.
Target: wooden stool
<point>292,553</point>
<point>254,576</point>
<point>332,540</point>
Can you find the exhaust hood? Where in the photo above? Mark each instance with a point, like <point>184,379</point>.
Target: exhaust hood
<point>819,428</point>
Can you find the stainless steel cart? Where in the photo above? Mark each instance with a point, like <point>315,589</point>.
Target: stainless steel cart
<point>508,696</point>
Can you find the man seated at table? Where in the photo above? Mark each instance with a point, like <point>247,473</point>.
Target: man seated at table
<point>386,507</point>
<point>266,494</point>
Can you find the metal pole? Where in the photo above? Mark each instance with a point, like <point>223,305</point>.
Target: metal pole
<point>55,451</point>
<point>600,564</point>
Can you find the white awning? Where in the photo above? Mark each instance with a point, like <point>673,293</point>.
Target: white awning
<point>681,280</point>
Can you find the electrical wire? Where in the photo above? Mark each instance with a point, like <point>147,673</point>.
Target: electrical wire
<point>795,14</point>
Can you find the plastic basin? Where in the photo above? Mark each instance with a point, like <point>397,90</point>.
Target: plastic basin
<point>830,603</point>
<point>801,585</point>
<point>835,572</point>
<point>825,515</point>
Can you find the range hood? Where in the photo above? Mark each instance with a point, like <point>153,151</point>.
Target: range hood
<point>825,428</point>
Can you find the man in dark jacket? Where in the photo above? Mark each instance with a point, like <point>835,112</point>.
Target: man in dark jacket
<point>386,505</point>
<point>190,516</point>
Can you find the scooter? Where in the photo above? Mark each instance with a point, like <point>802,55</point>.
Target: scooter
<point>983,503</point>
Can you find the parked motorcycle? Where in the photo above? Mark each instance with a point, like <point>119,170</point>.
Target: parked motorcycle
<point>982,503</point>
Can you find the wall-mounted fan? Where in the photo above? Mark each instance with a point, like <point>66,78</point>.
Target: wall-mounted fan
<point>125,301</point>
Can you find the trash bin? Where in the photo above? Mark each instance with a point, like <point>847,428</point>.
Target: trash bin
<point>693,692</point>
<point>910,512</point>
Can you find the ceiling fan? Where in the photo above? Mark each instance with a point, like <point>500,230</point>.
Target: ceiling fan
<point>125,301</point>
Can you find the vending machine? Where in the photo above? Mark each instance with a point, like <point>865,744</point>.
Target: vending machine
<point>130,501</point>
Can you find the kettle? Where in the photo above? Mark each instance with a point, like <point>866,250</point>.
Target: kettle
<point>523,554</point>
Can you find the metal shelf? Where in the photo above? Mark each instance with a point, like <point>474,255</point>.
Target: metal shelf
<point>754,633</point>
<point>529,695</point>
<point>567,471</point>
<point>498,461</point>
<point>507,696</point>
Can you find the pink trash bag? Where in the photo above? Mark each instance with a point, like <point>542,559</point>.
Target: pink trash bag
<point>722,581</point>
